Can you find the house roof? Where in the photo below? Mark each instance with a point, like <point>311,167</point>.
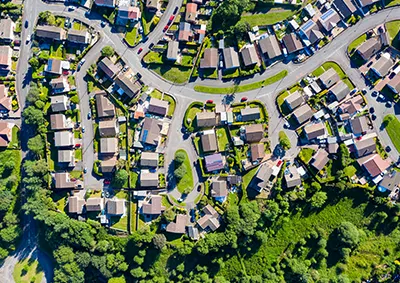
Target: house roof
<point>7,29</point>
<point>115,206</point>
<point>359,124</point>
<point>153,206</point>
<point>5,133</point>
<point>185,32</point>
<point>75,204</point>
<point>178,227</point>
<point>312,31</point>
<point>5,56</point>
<point>109,3</point>
<point>369,47</point>
<point>108,67</point>
<point>129,13</point>
<point>250,114</point>
<point>54,66</point>
<point>254,132</point>
<point>292,177</point>
<point>158,106</point>
<point>191,12</point>
<point>292,43</point>
<point>63,138</point>
<point>340,90</point>
<point>315,130</point>
<point>214,162</point>
<point>151,129</point>
<point>78,36</point>
<point>270,47</point>
<point>63,181</point>
<point>149,159</point>
<point>374,164</point>
<point>105,108</point>
<point>94,204</point>
<point>210,59</point>
<point>5,100</point>
<point>51,32</point>
<point>173,49</point>
<point>249,55</point>
<point>333,148</point>
<point>394,83</point>
<point>108,165</point>
<point>320,159</point>
<point>257,151</point>
<point>108,145</point>
<point>58,122</point>
<point>193,232</point>
<point>352,105</point>
<point>365,146</point>
<point>294,99</point>
<point>264,172</point>
<point>209,142</point>
<point>130,88</point>
<point>209,210</point>
<point>219,189</point>
<point>60,83</point>
<point>108,128</point>
<point>148,179</point>
<point>206,119</point>
<point>390,181</point>
<point>329,19</point>
<point>383,65</point>
<point>329,78</point>
<point>367,2</point>
<point>66,156</point>
<point>303,113</point>
<point>231,58</point>
<point>345,7</point>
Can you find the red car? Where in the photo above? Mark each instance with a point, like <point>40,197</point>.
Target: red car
<point>209,101</point>
<point>78,145</point>
<point>171,19</point>
<point>107,182</point>
<point>165,28</point>
<point>243,99</point>
<point>140,50</point>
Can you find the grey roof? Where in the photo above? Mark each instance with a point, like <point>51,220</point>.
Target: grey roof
<point>314,130</point>
<point>65,156</point>
<point>104,106</point>
<point>62,181</point>
<point>94,204</point>
<point>382,66</point>
<point>210,59</point>
<point>108,165</point>
<point>292,43</point>
<point>53,66</point>
<point>115,206</point>
<point>108,128</point>
<point>151,129</point>
<point>108,67</point>
<point>206,119</point>
<point>257,151</point>
<point>320,159</point>
<point>7,29</point>
<point>312,31</point>
<point>108,145</point>
<point>294,100</point>
<point>340,90</point>
<point>51,32</point>
<point>153,206</point>
<point>367,2</point>
<point>264,173</point>
<point>254,132</point>
<point>270,47</point>
<point>75,204</point>
<point>178,227</point>
<point>149,159</point>
<point>130,88</point>
<point>369,47</point>
<point>250,114</point>
<point>148,179</point>
<point>173,49</point>
<point>303,113</point>
<point>359,125</point>
<point>58,122</point>
<point>292,178</point>
<point>329,78</point>
<point>209,142</point>
<point>390,181</point>
<point>249,55</point>
<point>219,189</point>
<point>193,233</point>
<point>78,36</point>
<point>329,19</point>
<point>231,58</point>
<point>365,146</point>
<point>158,106</point>
<point>345,7</point>
<point>63,138</point>
<point>394,83</point>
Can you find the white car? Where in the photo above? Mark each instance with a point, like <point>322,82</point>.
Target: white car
<point>71,8</point>
<point>28,38</point>
<point>82,61</point>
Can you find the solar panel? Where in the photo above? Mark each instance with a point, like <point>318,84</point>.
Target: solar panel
<point>327,14</point>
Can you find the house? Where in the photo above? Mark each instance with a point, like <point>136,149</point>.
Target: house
<point>108,128</point>
<point>173,50</point>
<point>5,133</point>
<point>108,67</point>
<point>294,100</point>
<point>179,226</point>
<point>128,14</point>
<point>303,113</point>
<point>75,204</point>
<point>191,13</point>
<point>365,146</point>
<point>185,32</point>
<point>108,146</point>
<point>250,114</point>
<point>320,159</point>
<point>127,86</point>
<point>210,220</point>
<point>382,66</point>
<point>339,91</point>
<point>249,56</point>
<point>153,206</point>
<point>345,7</point>
<point>329,78</point>
<point>292,177</point>
<point>108,165</point>
<point>333,148</point>
<point>310,10</point>
<point>394,84</point>
<point>5,100</point>
<point>63,181</point>
<point>148,179</point>
<point>63,139</point>
<point>5,58</point>
<point>59,103</point>
<point>234,180</point>
<point>359,125</point>
<point>94,204</point>
<point>315,130</point>
<point>352,106</point>
<point>151,129</point>
<point>105,3</point>
<point>200,33</point>
<point>210,59</point>
<point>60,122</point>
<point>254,133</point>
<point>369,48</point>
<point>270,47</point>
<point>157,106</point>
<point>292,43</point>
<point>66,156</point>
<point>263,177</point>
<point>214,162</point>
<point>7,27</point>
<point>390,182</point>
<point>149,159</point>
<point>257,152</point>
<point>51,33</point>
<point>152,5</point>
<point>365,3</point>
<point>219,190</point>
<point>78,36</point>
<point>206,119</point>
<point>104,106</point>
<point>59,85</point>
<point>115,206</point>
<point>329,19</point>
<point>231,58</point>
<point>53,67</point>
<point>310,32</point>
<point>374,164</point>
<point>209,141</point>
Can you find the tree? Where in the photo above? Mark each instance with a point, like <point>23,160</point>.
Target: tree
<point>180,172</point>
<point>36,145</point>
<point>138,273</point>
<point>318,199</point>
<point>107,51</point>
<point>120,279</point>
<point>36,168</point>
<point>75,99</point>
<point>347,235</point>
<point>33,116</point>
<point>33,93</point>
<point>120,178</point>
<point>344,155</point>
<point>284,140</point>
<point>6,199</point>
<point>169,215</point>
<point>180,157</point>
<point>47,17</point>
<point>34,62</point>
<point>159,241</point>
<point>227,15</point>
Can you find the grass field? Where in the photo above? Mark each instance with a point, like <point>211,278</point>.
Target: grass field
<point>241,88</point>
<point>222,138</point>
<point>132,36</point>
<point>172,104</point>
<point>353,46</point>
<point>394,29</point>
<point>265,14</point>
<point>326,66</point>
<point>186,183</point>
<point>306,154</point>
<point>392,126</point>
<point>28,271</point>
<point>173,74</point>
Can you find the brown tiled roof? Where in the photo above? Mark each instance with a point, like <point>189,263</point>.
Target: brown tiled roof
<point>270,47</point>
<point>108,128</point>
<point>374,164</point>
<point>115,206</point>
<point>104,106</point>
<point>292,43</point>
<point>206,119</point>
<point>51,32</point>
<point>210,59</point>
<point>254,132</point>
<point>314,130</point>
<point>219,189</point>
<point>191,12</point>
<point>5,100</point>
<point>178,227</point>
<point>63,181</point>
<point>154,206</point>
<point>320,159</point>
<point>257,151</point>
<point>108,67</point>
<point>209,142</point>
<point>158,106</point>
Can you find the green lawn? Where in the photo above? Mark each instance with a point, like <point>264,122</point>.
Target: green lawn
<point>120,222</point>
<point>390,3</point>
<point>392,126</point>
<point>306,154</point>
<point>131,36</point>
<point>14,138</point>
<point>172,104</point>
<point>186,183</point>
<point>133,216</point>
<point>241,88</point>
<point>353,46</point>
<point>78,154</point>
<point>56,51</point>
<point>394,29</point>
<point>156,94</point>
<point>121,194</point>
<point>153,57</point>
<point>249,176</point>
<point>173,74</point>
<point>268,16</point>
<point>222,138</point>
<point>77,26</point>
<point>27,271</point>
<point>76,174</point>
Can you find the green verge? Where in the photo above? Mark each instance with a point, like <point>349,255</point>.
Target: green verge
<point>392,126</point>
<point>394,29</point>
<point>353,46</point>
<point>241,88</point>
<point>186,183</point>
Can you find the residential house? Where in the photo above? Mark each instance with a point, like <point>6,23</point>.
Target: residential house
<point>105,108</point>
<point>263,177</point>
<point>257,152</point>
<point>149,159</point>
<point>59,103</point>
<point>294,100</point>
<point>365,146</point>
<point>210,59</point>
<point>352,106</point>
<point>382,66</point>
<point>339,91</point>
<point>7,27</point>
<point>108,128</point>
<point>292,43</point>
<point>320,159</point>
<point>303,113</point>
<point>214,162</point>
<point>173,50</point>
<point>153,207</point>
<point>106,3</point>
<point>359,125</point>
<point>66,156</point>
<point>63,181</point>
<point>310,32</point>
<point>63,139</point>
<point>394,84</point>
<point>209,141</point>
<point>108,67</point>
<point>94,204</point>
<point>148,179</point>
<point>292,177</point>
<point>51,33</point>
<point>231,58</point>
<point>108,165</point>
<point>108,146</point>
<point>78,36</point>
<point>75,205</point>
<point>60,122</point>
<point>157,106</point>
<point>310,10</point>
<point>128,14</point>
<point>369,48</point>
<point>270,47</point>
<point>126,86</point>
<point>329,19</point>
<point>254,133</point>
<point>249,56</point>
<point>5,58</point>
<point>345,7</point>
<point>390,182</point>
<point>365,3</point>
<point>191,13</point>
<point>152,5</point>
<point>151,129</point>
<point>5,100</point>
<point>374,164</point>
<point>210,221</point>
<point>234,180</point>
<point>315,130</point>
<point>206,119</point>
<point>115,206</point>
<point>329,78</point>
<point>250,114</point>
<point>179,226</point>
<point>5,133</point>
<point>59,85</point>
<point>200,33</point>
<point>219,190</point>
<point>185,32</point>
<point>53,67</point>
<point>333,148</point>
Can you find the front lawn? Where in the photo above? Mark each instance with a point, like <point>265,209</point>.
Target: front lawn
<point>222,137</point>
<point>394,29</point>
<point>390,3</point>
<point>78,154</point>
<point>266,14</point>
<point>132,37</point>
<point>172,104</point>
<point>353,46</point>
<point>306,154</point>
<point>173,74</point>
<point>392,126</point>
<point>120,222</point>
<point>185,184</point>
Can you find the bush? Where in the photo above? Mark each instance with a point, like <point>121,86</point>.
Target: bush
<point>107,51</point>
<point>284,140</point>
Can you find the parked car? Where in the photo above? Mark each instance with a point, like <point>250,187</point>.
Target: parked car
<point>388,149</point>
<point>107,181</point>
<point>151,45</point>
<point>389,104</point>
<point>85,170</point>
<point>364,91</point>
<point>82,62</point>
<point>26,24</point>
<point>71,8</point>
<point>176,10</point>
<point>67,22</point>
<point>243,99</point>
<point>165,28</point>
<point>371,110</point>
<point>139,50</point>
<point>138,75</point>
<point>77,145</point>
<point>83,129</point>
<point>171,19</point>
<point>89,115</point>
<point>373,116</point>
<point>374,93</point>
<point>28,38</point>
<point>103,24</point>
<point>210,101</point>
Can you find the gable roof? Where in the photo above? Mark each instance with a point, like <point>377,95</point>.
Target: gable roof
<point>270,46</point>
<point>214,162</point>
<point>292,177</point>
<point>78,36</point>
<point>254,132</point>
<point>374,164</point>
<point>158,106</point>
<point>365,146</point>
<point>329,19</point>
<point>108,67</point>
<point>148,179</point>
<point>5,100</point>
<point>314,130</point>
<point>5,57</point>
<point>130,88</point>
<point>59,122</point>
<point>329,78</point>
<point>7,29</point>
<point>394,83</point>
<point>75,204</point>
<point>108,145</point>
<point>292,43</point>
<point>173,49</point>
<point>153,206</point>
<point>63,138</point>
<point>257,151</point>
<point>149,159</point>
<point>178,227</point>
<point>383,65</point>
<point>320,159</point>
<point>294,99</point>
<point>231,58</point>
<point>250,114</point>
<point>185,31</point>
<point>62,181</point>
<point>5,133</point>
<point>210,59</point>
<point>191,12</point>
<point>369,47</point>
<point>345,7</point>
<point>209,141</point>
<point>151,129</point>
<point>108,128</point>
<point>104,106</point>
<point>303,113</point>
<point>129,13</point>
<point>206,119</point>
<point>340,90</point>
<point>115,206</point>
<point>51,32</point>
<point>359,125</point>
<point>312,31</point>
<point>249,55</point>
<point>219,189</point>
